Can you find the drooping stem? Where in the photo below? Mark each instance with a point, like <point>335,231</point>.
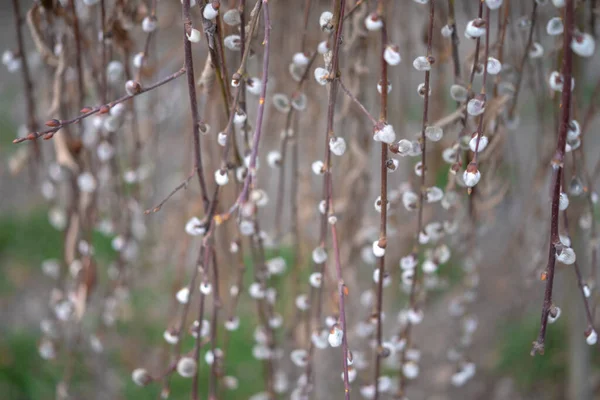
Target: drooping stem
<point>533,18</point>
<point>189,68</point>
<point>422,197</point>
<point>557,170</point>
<point>383,172</point>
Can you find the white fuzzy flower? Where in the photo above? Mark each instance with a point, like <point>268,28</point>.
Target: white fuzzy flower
<point>315,279</point>
<point>222,138</point>
<point>183,295</point>
<point>475,28</point>
<point>232,324</point>
<point>379,86</point>
<point>222,178</point>
<point>323,47</point>
<point>410,369</point>
<point>335,336</point>
<point>493,4</point>
<point>276,266</point>
<point>301,59</point>
<point>194,36</point>
<point>421,90</point>
<point>483,142</point>
<point>337,145</point>
<point>391,55</point>
<point>319,338</point>
<point>256,291</point>
<point>141,377</point>
<point>563,201</point>
<point>494,66</point>
<point>434,133</point>
<point>458,93</point>
<point>471,176</point>
<point>209,12</point>
<point>233,42</point>
<point>587,292</point>
<point>410,200</point>
<point>377,250</point>
<point>536,51</point>
<point>325,21</point>
<point>592,338</point>
<point>403,147</point>
<point>205,288</point>
<point>171,337</point>
<point>321,75</point>
<point>554,314</point>
<point>319,255</point>
<point>299,357</point>
<point>567,256</point>
<point>475,107</point>
<point>302,302</point>
<point>114,71</point>
<point>254,86</point>
<point>583,44</point>
<point>86,182</point>
<point>274,158</point>
<point>447,31</point>
<point>281,103</point>
<point>385,134</point>
<point>422,64</point>
<point>408,262</point>
<point>373,22</point>
<point>555,26</point>
<point>186,367</point>
<point>434,194</point>
<point>194,227</point>
<point>239,117</point>
<point>419,168</point>
<point>149,24</point>
<point>232,17</point>
<point>574,130</point>
<point>352,374</point>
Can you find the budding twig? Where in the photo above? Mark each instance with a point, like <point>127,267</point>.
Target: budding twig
<point>557,170</point>
<point>422,193</point>
<point>56,125</point>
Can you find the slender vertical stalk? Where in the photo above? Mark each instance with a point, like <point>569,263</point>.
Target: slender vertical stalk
<point>383,196</point>
<point>316,294</point>
<point>557,171</point>
<point>422,197</point>
<point>533,18</point>
<point>189,68</point>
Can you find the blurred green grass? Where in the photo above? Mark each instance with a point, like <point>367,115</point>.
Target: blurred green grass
<point>28,239</point>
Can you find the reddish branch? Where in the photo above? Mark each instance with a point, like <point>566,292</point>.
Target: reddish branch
<point>422,193</point>
<point>55,124</point>
<point>511,112</point>
<point>189,67</point>
<point>317,294</point>
<point>30,103</point>
<point>383,172</point>
<point>557,171</point>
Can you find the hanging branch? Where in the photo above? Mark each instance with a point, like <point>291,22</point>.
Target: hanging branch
<point>422,197</point>
<point>383,172</point>
<point>555,247</point>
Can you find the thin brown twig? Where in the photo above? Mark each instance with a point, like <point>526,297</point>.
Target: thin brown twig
<point>422,196</point>
<point>56,125</point>
<point>557,171</point>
